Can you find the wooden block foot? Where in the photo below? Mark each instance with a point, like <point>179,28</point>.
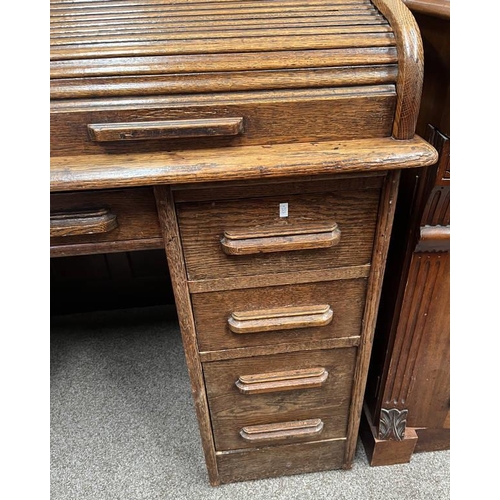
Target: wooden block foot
<point>385,451</point>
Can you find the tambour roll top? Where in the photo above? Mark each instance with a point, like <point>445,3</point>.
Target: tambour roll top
<point>134,77</point>
<point>163,47</point>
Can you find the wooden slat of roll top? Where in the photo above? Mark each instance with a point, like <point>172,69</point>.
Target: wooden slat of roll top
<point>226,45</point>
<point>201,26</point>
<point>185,35</point>
<point>79,4</point>
<point>198,7</point>
<point>104,20</point>
<point>190,14</point>
<point>72,88</point>
<point>139,26</point>
<point>160,19</point>
<point>198,63</point>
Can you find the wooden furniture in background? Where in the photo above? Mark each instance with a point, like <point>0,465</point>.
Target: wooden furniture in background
<point>407,401</point>
<point>272,149</point>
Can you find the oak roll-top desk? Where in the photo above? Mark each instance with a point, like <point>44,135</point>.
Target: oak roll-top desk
<point>260,143</point>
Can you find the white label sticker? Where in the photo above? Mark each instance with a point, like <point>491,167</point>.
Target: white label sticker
<point>283,209</point>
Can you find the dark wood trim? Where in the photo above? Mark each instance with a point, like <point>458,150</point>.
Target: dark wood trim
<point>436,8</point>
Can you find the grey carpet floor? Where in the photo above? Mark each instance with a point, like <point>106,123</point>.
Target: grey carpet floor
<point>123,425</point>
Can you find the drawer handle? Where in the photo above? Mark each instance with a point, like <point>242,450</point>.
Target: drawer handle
<point>305,378</point>
<point>172,129</point>
<point>280,239</point>
<point>282,431</point>
<point>83,222</point>
<point>284,318</point>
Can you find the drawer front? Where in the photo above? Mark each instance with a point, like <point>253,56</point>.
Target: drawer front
<point>252,236</point>
<point>279,399</point>
<point>283,460</point>
<point>232,119</point>
<point>96,217</point>
<point>279,314</point>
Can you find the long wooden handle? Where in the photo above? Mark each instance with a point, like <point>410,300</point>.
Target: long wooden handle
<point>282,431</point>
<point>83,222</point>
<point>172,129</point>
<point>283,318</point>
<point>283,239</point>
<point>305,378</point>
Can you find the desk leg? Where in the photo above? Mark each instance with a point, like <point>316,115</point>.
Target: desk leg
<point>178,275</point>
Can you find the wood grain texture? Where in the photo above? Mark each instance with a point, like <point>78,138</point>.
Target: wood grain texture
<point>283,318</point>
<point>257,43</point>
<point>273,240</point>
<point>277,348</point>
<point>263,188</point>
<point>179,83</point>
<point>173,248</point>
<point>262,280</point>
<point>135,215</point>
<point>272,461</point>
<point>423,331</point>
<point>381,246</point>
<point>289,380</point>
<point>269,117</point>
<point>212,310</point>
<point>82,69</point>
<point>253,162</point>
<point>84,222</point>
<point>323,88</point>
<point>404,368</point>
<point>410,66</point>
<point>104,247</point>
<point>174,129</point>
<point>438,8</point>
<point>280,432</point>
<point>231,411</point>
<point>354,212</point>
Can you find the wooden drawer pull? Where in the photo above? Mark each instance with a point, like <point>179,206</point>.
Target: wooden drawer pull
<point>305,378</point>
<point>284,318</point>
<point>280,239</point>
<point>282,431</point>
<point>173,129</point>
<point>83,222</point>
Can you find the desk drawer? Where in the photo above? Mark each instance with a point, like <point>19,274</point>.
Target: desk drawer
<point>230,238</point>
<point>279,314</point>
<point>278,399</point>
<point>80,127</point>
<point>108,220</point>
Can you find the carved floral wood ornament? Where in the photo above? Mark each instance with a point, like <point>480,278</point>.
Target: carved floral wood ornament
<point>392,424</point>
